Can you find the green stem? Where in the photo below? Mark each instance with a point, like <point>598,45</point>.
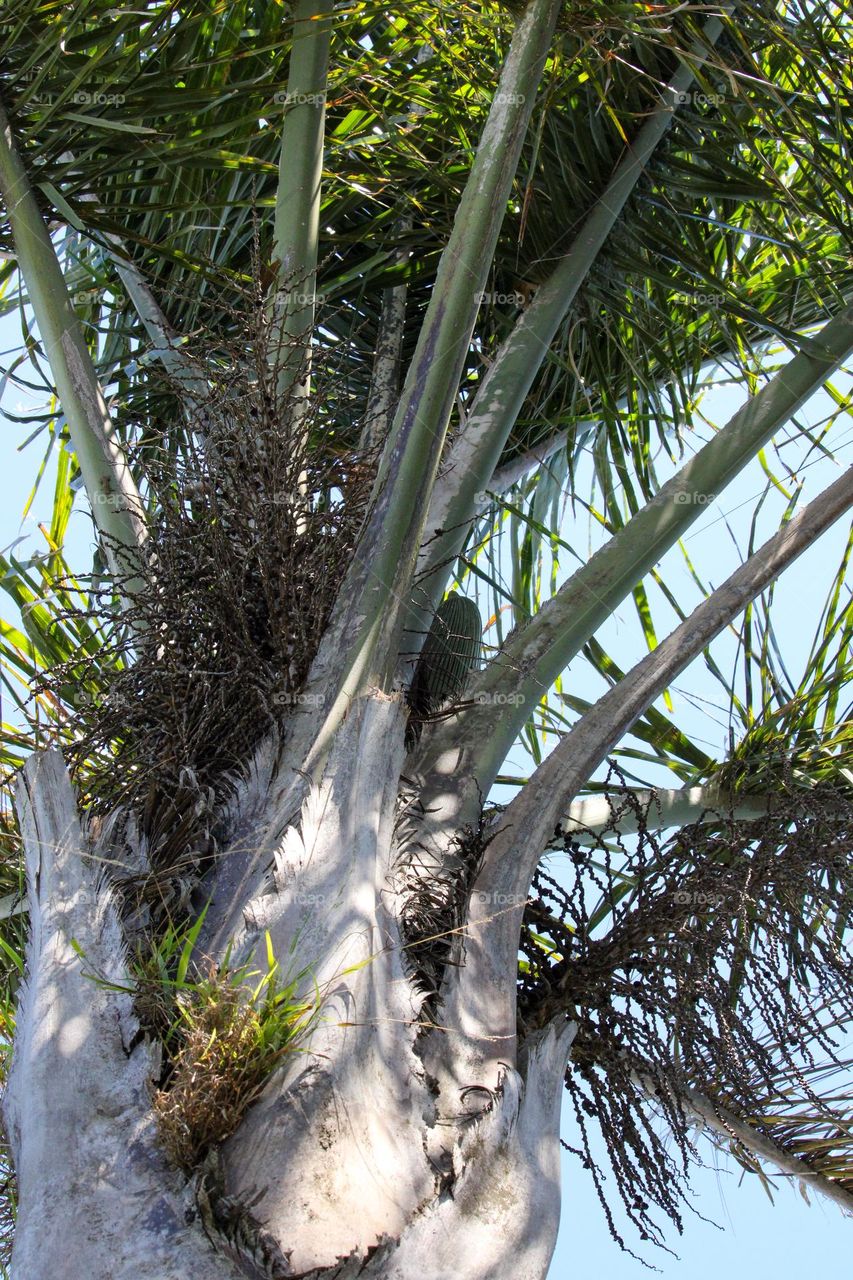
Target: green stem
<point>297,204</point>
<point>477,450</point>
<point>169,347</point>
<point>385,377</point>
<point>729,1127</point>
<point>410,461</point>
<point>511,858</point>
<point>115,500</point>
<point>586,745</point>
<point>539,651</point>
<point>360,645</point>
<point>660,808</point>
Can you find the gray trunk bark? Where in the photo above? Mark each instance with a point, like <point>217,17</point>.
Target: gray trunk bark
<point>374,1151</point>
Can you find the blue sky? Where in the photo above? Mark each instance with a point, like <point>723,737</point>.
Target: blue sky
<point>767,1242</point>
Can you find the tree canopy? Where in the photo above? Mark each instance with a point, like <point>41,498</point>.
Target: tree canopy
<point>330,306</point>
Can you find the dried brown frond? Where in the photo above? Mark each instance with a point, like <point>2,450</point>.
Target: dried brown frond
<point>711,961</point>
<point>252,528</point>
<point>435,898</point>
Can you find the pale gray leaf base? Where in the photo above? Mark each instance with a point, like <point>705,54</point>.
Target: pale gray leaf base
<point>97,1200</point>
<point>358,1159</point>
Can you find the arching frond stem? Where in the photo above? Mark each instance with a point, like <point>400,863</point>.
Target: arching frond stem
<point>297,204</point>
<point>112,492</point>
<point>376,595</point>
<point>481,993</point>
<point>536,653</point>
<point>729,1127</point>
<point>478,447</point>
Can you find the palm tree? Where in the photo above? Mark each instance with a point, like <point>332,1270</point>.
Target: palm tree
<point>334,300</point>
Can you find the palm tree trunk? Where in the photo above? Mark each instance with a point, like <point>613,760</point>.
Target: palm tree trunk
<point>352,1157</point>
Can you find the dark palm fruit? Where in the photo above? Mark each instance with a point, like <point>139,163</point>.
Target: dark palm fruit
<point>451,651</point>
